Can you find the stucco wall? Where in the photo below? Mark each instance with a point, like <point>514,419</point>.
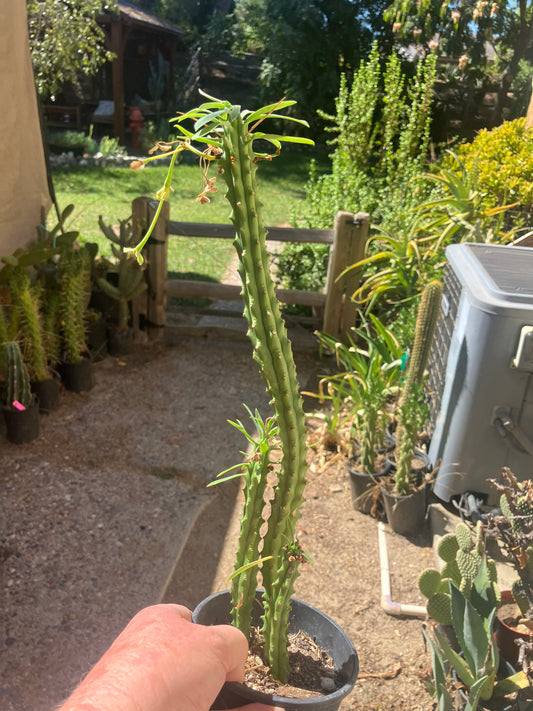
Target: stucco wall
<point>23,186</point>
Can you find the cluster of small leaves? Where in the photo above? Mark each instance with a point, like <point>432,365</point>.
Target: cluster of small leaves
<point>510,148</point>
<point>66,41</point>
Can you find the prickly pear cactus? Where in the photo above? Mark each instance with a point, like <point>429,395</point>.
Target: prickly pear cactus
<point>462,555</point>
<point>514,529</point>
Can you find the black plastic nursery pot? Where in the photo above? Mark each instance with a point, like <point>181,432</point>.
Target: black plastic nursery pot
<point>216,610</point>
<point>362,487</point>
<point>22,426</point>
<point>406,514</point>
<point>77,377</point>
<point>48,393</point>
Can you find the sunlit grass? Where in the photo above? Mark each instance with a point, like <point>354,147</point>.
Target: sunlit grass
<point>109,191</point>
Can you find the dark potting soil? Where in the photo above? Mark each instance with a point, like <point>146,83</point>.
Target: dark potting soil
<point>510,614</point>
<point>312,671</point>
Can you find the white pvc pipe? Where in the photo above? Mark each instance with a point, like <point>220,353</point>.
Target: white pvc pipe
<point>390,607</point>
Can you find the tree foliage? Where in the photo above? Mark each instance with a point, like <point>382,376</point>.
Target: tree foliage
<point>469,31</point>
<point>65,40</point>
<point>306,46</point>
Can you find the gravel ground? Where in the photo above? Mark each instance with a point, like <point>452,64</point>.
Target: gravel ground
<point>95,511</point>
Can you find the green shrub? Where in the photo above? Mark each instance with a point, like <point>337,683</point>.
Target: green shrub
<point>502,162</point>
<point>381,141</point>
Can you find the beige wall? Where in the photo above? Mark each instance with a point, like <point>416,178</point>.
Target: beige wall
<point>23,186</point>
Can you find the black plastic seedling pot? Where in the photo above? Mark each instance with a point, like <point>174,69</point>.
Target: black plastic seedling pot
<point>216,610</point>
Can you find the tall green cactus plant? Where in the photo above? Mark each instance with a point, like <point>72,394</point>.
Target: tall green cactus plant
<point>131,281</point>
<point>74,267</point>
<point>27,299</point>
<point>17,377</point>
<point>411,399</point>
<point>227,135</point>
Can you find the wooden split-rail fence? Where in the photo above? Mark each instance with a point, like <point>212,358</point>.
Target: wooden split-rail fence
<point>336,309</point>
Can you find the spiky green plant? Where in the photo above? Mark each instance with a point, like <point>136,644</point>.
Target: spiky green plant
<point>17,377</point>
<point>411,399</point>
<point>74,267</point>
<point>514,528</point>
<point>131,281</point>
<point>226,135</point>
<point>27,299</point>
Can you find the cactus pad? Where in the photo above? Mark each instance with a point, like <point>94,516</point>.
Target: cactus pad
<point>464,539</point>
<point>439,608</point>
<point>448,547</point>
<point>429,582</point>
<point>451,571</point>
<point>468,562</point>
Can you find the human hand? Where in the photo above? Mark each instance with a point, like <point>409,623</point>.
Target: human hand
<point>164,662</point>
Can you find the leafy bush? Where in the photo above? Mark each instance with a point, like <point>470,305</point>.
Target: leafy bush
<point>382,136</point>
<point>502,162</point>
<point>64,141</point>
<point>382,126</point>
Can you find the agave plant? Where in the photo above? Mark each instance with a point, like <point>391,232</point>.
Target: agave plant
<point>225,135</point>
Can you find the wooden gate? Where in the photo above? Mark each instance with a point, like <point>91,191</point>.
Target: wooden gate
<point>338,311</point>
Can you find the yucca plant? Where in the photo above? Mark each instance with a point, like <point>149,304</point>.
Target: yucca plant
<point>225,135</point>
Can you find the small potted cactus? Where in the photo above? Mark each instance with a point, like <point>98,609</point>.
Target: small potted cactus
<point>224,134</point>
<point>74,296</point>
<point>27,299</point>
<point>405,504</point>
<point>514,530</point>
<point>130,283</point>
<point>21,410</point>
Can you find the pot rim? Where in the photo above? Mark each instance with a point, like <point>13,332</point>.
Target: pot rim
<point>286,701</point>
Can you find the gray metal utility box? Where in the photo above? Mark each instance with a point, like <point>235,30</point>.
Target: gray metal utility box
<point>480,371</point>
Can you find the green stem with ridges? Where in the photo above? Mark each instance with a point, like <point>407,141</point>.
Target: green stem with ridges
<point>226,133</point>
<point>272,352</point>
<point>244,584</point>
<point>276,621</point>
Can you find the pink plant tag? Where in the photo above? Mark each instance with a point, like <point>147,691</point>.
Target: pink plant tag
<point>17,405</point>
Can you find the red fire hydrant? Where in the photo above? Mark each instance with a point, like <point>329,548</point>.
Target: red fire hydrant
<point>136,126</point>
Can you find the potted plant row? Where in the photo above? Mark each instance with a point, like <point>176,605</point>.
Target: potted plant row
<point>223,134</point>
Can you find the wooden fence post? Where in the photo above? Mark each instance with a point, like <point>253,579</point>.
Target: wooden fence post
<point>348,248</point>
<point>155,255</point>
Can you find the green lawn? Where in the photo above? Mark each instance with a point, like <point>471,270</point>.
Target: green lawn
<point>110,191</point>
